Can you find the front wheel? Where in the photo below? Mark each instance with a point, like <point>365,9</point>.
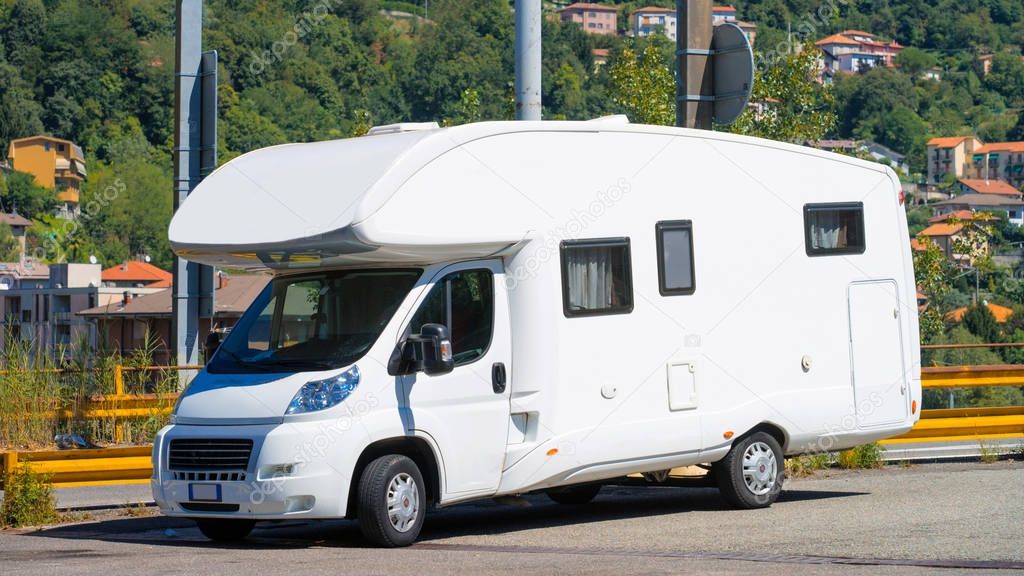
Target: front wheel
<point>392,501</point>
<point>751,474</point>
<point>223,530</point>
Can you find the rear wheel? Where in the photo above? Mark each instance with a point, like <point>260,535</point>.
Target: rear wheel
<point>574,495</point>
<point>751,474</point>
<point>223,530</point>
<point>392,501</point>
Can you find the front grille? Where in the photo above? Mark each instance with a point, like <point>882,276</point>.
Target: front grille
<point>211,476</point>
<point>208,454</point>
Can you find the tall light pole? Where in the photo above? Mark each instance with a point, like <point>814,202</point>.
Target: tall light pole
<point>528,59</point>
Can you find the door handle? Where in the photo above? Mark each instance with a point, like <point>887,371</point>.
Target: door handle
<point>498,377</point>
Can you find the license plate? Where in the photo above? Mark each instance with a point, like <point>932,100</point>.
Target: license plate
<point>204,492</point>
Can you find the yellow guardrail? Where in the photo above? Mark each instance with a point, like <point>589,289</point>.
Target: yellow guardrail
<point>132,464</point>
<point>63,468</point>
<point>980,424</point>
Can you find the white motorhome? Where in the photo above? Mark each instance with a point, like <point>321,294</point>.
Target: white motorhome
<point>510,307</point>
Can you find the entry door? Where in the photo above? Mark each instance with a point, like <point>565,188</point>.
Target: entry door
<point>876,346</point>
<point>467,410</point>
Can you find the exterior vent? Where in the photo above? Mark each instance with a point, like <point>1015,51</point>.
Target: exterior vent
<point>213,454</point>
<point>403,127</point>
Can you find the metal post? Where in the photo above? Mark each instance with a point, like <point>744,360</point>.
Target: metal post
<point>528,58</point>
<point>187,147</point>
<point>694,89</point>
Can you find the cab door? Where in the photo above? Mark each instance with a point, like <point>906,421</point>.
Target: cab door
<point>466,411</point>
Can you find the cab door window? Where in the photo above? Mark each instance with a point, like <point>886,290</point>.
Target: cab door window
<point>464,302</point>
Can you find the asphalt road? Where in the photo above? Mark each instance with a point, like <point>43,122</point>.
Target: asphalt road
<point>926,519</point>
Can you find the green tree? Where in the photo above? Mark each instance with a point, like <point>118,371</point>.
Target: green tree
<point>914,61</point>
<point>980,321</point>
<point>932,274</point>
<point>644,86</point>
<point>466,110</point>
<point>789,104</point>
<point>1007,77</point>
<point>10,249</point>
<point>30,199</point>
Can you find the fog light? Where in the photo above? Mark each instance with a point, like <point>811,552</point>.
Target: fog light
<point>299,503</point>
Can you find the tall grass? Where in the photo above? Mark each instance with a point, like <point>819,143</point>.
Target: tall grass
<point>42,395</point>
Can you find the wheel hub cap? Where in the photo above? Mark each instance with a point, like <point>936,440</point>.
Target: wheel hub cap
<point>759,468</point>
<point>403,500</point>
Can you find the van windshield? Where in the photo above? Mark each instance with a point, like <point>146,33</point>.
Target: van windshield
<point>313,322</point>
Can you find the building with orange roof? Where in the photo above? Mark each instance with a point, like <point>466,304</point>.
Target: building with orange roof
<point>55,163</point>
<point>944,235</point>
<point>593,18</point>
<point>983,186</point>
<point>851,51</point>
<point>1000,313</point>
<point>136,274</point>
<point>1000,160</point>
<point>950,155</point>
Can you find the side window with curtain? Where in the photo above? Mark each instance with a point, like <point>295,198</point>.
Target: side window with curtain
<point>832,229</point>
<point>464,302</point>
<point>596,277</point>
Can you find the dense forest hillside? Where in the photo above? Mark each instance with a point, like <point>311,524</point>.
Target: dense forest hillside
<point>100,73</point>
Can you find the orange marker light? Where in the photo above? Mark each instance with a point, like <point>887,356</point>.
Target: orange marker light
<point>913,407</point>
<point>727,434</point>
<point>553,451</point>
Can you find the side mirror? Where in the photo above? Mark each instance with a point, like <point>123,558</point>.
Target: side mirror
<point>429,351</point>
<point>213,340</point>
<point>437,349</point>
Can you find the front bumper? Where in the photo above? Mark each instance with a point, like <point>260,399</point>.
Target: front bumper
<point>317,487</point>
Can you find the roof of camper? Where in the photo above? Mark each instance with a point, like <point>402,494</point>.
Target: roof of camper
<point>294,192</point>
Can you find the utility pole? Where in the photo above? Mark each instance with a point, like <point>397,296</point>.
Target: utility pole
<point>528,58</point>
<point>195,155</point>
<point>694,85</point>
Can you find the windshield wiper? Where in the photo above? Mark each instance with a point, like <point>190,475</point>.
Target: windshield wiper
<point>247,363</point>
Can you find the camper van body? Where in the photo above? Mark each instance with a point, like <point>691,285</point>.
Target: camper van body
<point>771,329</point>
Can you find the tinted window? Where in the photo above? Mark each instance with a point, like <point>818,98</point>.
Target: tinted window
<point>464,302</point>
<point>834,228</point>
<point>596,277</point>
<point>675,257</point>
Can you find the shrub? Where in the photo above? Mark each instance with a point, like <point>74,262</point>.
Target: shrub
<point>863,456</point>
<point>28,500</point>
<point>807,465</point>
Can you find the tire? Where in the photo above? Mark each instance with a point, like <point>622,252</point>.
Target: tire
<point>574,495</point>
<point>752,473</point>
<point>223,530</point>
<point>397,479</point>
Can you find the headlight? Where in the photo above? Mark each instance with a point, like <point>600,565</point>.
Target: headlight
<point>322,394</point>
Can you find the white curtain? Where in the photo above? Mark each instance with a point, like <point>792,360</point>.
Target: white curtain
<point>827,230</point>
<point>590,278</point>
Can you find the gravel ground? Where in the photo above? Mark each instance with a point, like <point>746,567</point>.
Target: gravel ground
<point>946,518</point>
